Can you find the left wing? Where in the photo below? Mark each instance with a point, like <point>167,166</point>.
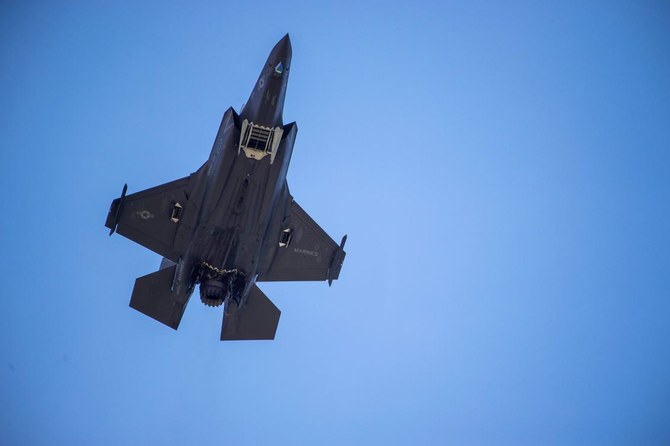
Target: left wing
<point>303,251</point>
<point>151,217</point>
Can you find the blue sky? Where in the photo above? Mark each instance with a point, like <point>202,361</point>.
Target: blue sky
<point>503,173</point>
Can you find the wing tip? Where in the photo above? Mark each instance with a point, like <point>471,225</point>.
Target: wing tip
<point>115,211</point>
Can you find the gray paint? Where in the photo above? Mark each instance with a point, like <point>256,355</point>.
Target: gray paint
<point>230,224</point>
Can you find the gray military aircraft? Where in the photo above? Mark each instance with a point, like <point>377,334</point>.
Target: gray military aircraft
<point>233,222</point>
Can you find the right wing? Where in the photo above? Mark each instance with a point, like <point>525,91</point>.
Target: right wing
<point>148,217</point>
<point>304,251</point>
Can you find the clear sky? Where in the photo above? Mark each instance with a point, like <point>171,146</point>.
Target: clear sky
<point>503,173</point>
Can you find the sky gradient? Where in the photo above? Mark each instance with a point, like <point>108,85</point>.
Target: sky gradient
<point>503,174</point>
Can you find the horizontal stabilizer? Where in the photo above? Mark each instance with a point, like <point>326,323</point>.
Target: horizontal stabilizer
<point>152,296</point>
<point>256,320</point>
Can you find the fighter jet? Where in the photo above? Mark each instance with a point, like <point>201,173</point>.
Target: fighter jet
<point>232,223</point>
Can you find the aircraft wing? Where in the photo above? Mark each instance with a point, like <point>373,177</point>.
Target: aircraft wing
<point>151,217</point>
<point>303,251</point>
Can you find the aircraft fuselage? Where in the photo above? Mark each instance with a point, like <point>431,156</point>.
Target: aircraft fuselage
<point>238,193</point>
<point>232,222</point>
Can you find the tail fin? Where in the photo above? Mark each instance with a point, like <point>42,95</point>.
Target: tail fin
<point>256,320</point>
<point>153,296</point>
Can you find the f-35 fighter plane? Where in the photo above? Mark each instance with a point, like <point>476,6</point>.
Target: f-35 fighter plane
<point>233,222</point>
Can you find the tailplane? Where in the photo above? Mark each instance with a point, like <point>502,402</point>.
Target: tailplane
<point>256,320</point>
<point>153,296</point>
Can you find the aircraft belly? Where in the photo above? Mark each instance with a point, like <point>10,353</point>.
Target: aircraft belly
<point>232,236</point>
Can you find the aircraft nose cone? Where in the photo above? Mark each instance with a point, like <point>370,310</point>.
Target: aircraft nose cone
<point>283,48</point>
